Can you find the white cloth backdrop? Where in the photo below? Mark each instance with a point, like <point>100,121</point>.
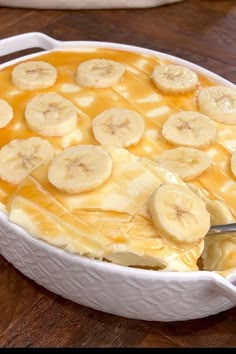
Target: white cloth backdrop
<point>85,4</point>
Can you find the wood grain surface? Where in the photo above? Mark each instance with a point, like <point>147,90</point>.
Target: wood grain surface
<point>201,31</point>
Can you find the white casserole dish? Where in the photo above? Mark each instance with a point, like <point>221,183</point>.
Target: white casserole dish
<point>85,4</point>
<point>129,292</point>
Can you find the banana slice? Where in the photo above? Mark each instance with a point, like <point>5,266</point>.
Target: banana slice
<point>187,163</point>
<point>51,115</point>
<point>22,156</point>
<point>219,212</point>
<point>6,113</point>
<point>174,79</point>
<point>99,73</point>
<point>179,214</point>
<point>34,75</point>
<point>191,129</point>
<point>81,168</point>
<point>117,126</point>
<point>199,191</point>
<point>219,103</point>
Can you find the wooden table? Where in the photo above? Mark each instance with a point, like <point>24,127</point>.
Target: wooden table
<point>201,31</point>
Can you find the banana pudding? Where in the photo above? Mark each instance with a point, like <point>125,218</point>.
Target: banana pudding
<point>121,157</point>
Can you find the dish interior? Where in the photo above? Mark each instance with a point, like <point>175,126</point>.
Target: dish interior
<point>90,223</point>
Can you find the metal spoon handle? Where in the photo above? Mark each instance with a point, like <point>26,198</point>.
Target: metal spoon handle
<point>222,229</point>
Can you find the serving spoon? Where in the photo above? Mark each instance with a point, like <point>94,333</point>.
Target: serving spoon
<point>222,229</point>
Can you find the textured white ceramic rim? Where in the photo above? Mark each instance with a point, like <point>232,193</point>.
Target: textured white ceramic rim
<point>223,286</point>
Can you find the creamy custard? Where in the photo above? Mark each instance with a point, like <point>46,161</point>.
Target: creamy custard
<point>136,91</point>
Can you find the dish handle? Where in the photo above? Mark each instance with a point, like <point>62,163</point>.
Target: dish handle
<point>226,288</point>
<point>25,41</point>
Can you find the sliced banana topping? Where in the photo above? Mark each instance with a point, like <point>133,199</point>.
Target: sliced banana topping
<point>51,115</point>
<point>219,212</point>
<point>179,214</point>
<point>174,79</point>
<point>190,129</point>
<point>118,126</point>
<point>99,73</point>
<point>22,156</point>
<point>219,103</point>
<point>199,191</point>
<point>34,75</point>
<point>80,168</point>
<point>6,113</point>
<point>187,163</point>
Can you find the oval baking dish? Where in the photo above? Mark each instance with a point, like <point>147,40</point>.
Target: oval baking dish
<point>129,292</point>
